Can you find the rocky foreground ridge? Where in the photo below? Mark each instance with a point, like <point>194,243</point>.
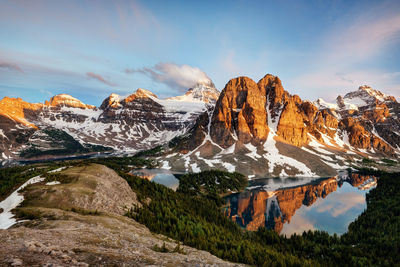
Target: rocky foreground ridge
<point>86,227</point>
<point>259,129</point>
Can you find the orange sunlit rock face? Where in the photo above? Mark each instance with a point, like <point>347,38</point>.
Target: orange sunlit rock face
<point>140,93</point>
<point>240,113</point>
<point>291,126</point>
<point>18,110</point>
<point>64,100</point>
<point>22,111</point>
<point>361,138</point>
<point>251,207</point>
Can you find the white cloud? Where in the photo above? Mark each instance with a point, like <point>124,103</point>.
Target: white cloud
<point>173,75</point>
<point>344,203</point>
<point>298,225</point>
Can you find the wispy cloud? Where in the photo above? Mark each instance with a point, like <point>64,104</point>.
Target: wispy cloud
<point>10,66</point>
<point>344,203</point>
<point>363,39</point>
<point>342,59</point>
<point>228,62</point>
<point>173,75</point>
<point>46,92</point>
<point>301,222</point>
<point>336,83</point>
<point>99,78</point>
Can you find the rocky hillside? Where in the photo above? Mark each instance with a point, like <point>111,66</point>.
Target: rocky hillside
<point>79,223</point>
<point>261,130</point>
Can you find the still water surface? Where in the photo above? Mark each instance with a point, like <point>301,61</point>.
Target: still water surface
<point>289,205</point>
<point>294,205</point>
<point>160,176</point>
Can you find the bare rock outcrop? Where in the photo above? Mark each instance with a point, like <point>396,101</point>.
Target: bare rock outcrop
<point>240,114</point>
<point>93,188</point>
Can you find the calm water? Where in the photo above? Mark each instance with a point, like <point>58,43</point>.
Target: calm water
<point>289,205</point>
<point>160,176</point>
<point>294,205</point>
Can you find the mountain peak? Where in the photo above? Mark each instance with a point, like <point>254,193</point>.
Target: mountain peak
<point>364,96</point>
<point>143,93</point>
<point>16,109</point>
<point>112,101</point>
<point>66,101</point>
<point>272,87</point>
<point>374,93</point>
<point>207,83</point>
<point>365,88</point>
<point>201,92</point>
<point>139,93</point>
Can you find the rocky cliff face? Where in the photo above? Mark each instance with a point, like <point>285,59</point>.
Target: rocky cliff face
<point>239,114</point>
<point>19,110</point>
<point>369,119</point>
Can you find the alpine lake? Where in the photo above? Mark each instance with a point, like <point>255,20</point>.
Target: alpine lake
<point>289,205</point>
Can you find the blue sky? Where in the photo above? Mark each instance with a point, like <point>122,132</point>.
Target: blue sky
<point>91,48</point>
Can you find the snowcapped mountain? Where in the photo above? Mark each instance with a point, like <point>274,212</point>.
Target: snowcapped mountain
<point>261,130</point>
<point>364,96</point>
<point>64,100</point>
<point>127,124</point>
<point>201,92</point>
<point>258,129</point>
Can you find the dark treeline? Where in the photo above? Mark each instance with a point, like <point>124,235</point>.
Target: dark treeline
<point>65,144</point>
<point>212,184</point>
<point>12,178</point>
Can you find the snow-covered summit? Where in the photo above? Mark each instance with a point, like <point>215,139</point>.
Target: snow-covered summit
<point>322,104</point>
<point>67,101</point>
<point>113,101</point>
<point>201,92</point>
<point>139,93</point>
<point>364,96</point>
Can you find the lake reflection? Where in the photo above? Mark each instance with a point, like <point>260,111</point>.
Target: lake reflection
<point>160,176</point>
<point>300,204</point>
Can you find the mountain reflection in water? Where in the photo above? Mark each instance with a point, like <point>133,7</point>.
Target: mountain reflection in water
<point>160,176</point>
<point>328,204</point>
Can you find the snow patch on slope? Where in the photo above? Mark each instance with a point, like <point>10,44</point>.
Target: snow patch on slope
<point>11,202</point>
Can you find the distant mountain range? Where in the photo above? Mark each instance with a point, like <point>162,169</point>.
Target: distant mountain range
<point>258,129</point>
